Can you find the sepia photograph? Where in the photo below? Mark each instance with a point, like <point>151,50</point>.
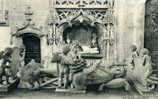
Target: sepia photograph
<point>78,49</point>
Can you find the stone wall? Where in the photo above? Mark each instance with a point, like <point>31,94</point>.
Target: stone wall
<point>130,15</point>
<point>129,23</point>
<point>4,37</point>
<point>40,10</point>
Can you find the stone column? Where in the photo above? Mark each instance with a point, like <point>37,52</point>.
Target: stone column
<point>119,28</point>
<point>46,52</point>
<point>134,24</point>
<point>139,19</point>
<point>129,25</point>
<point>17,41</point>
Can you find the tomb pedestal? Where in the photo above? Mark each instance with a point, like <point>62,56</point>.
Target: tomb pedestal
<point>61,90</point>
<point>8,87</point>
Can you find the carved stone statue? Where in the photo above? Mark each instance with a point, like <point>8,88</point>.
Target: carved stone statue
<point>30,74</point>
<point>78,64</point>
<point>22,59</point>
<point>78,75</point>
<point>134,54</point>
<point>68,38</point>
<point>142,74</point>
<point>22,54</point>
<point>94,42</point>
<point>70,63</point>
<point>65,61</point>
<point>1,66</point>
<point>5,66</point>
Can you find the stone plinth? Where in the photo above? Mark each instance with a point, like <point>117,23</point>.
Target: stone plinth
<point>60,90</point>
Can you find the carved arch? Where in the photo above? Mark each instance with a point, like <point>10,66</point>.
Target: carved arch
<point>76,19</point>
<point>28,30</point>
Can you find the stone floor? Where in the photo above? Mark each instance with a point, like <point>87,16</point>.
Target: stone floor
<point>50,94</point>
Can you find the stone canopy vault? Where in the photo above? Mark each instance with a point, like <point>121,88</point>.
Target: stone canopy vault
<point>93,14</point>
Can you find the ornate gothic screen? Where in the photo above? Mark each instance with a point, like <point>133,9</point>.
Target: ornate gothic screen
<point>87,21</point>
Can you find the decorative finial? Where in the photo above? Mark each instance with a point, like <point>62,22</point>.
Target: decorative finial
<point>28,14</point>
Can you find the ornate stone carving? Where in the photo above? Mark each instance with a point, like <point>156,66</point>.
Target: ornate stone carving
<point>9,65</point>
<point>85,3</point>
<point>96,16</point>
<point>140,70</point>
<point>28,14</point>
<point>28,26</point>
<point>66,13</point>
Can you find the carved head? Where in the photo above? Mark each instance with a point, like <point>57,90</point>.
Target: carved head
<point>144,51</point>
<point>56,57</point>
<point>68,40</point>
<point>32,61</point>
<point>66,49</point>
<point>7,52</point>
<point>76,47</point>
<point>133,48</point>
<point>22,48</point>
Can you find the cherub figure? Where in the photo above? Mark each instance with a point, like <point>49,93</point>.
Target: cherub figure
<point>22,59</point>
<point>146,62</point>
<point>144,53</point>
<point>94,43</point>
<point>134,54</point>
<point>134,51</point>
<point>68,40</point>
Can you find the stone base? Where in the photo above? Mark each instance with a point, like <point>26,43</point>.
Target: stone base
<point>5,88</point>
<point>141,89</point>
<point>61,90</point>
<point>8,87</point>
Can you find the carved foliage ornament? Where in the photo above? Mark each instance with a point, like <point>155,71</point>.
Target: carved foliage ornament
<point>28,25</point>
<point>85,3</point>
<point>96,16</point>
<point>63,12</point>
